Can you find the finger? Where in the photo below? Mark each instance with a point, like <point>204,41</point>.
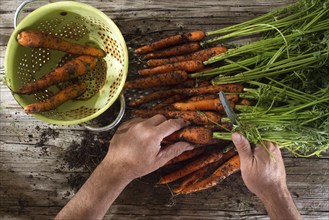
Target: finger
<point>242,145</point>
<point>173,151</point>
<point>130,123</point>
<point>170,126</point>
<point>155,120</point>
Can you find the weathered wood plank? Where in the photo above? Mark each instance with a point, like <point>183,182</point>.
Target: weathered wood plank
<point>34,179</point>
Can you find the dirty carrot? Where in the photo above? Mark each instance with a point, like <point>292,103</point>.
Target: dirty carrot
<point>167,101</point>
<point>228,168</point>
<point>152,96</point>
<point>72,69</point>
<point>191,116</point>
<point>59,98</point>
<point>191,167</point>
<point>193,134</point>
<point>162,79</point>
<point>205,104</point>
<point>201,55</point>
<point>197,175</point>
<point>37,39</point>
<point>187,155</point>
<point>174,51</point>
<point>244,102</point>
<point>188,66</point>
<point>229,88</point>
<point>202,97</point>
<point>171,41</point>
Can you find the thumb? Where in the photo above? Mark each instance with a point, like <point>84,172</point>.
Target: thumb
<point>242,145</point>
<point>173,151</point>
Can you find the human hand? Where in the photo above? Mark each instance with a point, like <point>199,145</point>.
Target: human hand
<point>262,174</point>
<point>135,147</point>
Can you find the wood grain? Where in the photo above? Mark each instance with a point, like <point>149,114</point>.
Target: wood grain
<point>34,178</point>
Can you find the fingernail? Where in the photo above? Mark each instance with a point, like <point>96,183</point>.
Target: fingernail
<point>236,137</point>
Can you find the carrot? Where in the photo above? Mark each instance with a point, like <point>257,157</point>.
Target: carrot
<point>187,155</point>
<point>167,101</point>
<point>191,167</point>
<point>174,51</point>
<point>232,88</point>
<point>201,55</point>
<point>194,134</point>
<point>72,69</point>
<point>244,102</point>
<point>197,175</point>
<point>229,88</point>
<point>202,97</point>
<point>228,168</point>
<point>163,79</point>
<point>188,66</point>
<point>37,39</point>
<point>206,104</point>
<point>191,116</point>
<point>152,96</point>
<point>59,98</point>
<point>171,41</point>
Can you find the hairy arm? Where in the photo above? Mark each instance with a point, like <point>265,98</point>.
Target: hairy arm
<point>134,151</point>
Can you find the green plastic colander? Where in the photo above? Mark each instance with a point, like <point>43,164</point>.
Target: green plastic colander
<point>80,23</point>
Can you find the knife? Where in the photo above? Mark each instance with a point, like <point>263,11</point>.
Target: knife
<point>227,108</point>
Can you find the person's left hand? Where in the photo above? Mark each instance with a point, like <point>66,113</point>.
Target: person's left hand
<point>136,146</point>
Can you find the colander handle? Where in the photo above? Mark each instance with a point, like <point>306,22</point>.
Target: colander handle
<point>115,122</point>
<point>20,8</point>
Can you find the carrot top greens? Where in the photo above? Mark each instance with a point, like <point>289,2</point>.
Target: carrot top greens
<point>287,75</point>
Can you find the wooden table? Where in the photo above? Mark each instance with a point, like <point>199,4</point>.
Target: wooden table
<point>34,174</point>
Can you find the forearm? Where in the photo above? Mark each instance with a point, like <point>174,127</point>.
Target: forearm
<point>280,205</point>
<point>96,196</point>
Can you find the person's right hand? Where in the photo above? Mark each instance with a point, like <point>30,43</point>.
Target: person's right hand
<point>262,174</point>
<point>265,176</point>
<point>136,146</point>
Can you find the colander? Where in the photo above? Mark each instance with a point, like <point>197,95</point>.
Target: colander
<point>80,23</point>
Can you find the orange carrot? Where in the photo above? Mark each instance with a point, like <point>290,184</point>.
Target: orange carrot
<point>72,69</point>
<point>167,101</point>
<point>201,135</point>
<point>228,168</point>
<point>202,97</point>
<point>37,39</point>
<point>191,116</point>
<point>187,155</point>
<point>244,102</point>
<point>206,104</point>
<point>152,96</point>
<point>229,88</point>
<point>188,66</point>
<point>191,167</point>
<point>163,79</point>
<point>174,51</point>
<point>201,55</point>
<point>171,41</point>
<point>59,98</point>
<point>201,173</point>
<point>232,88</point>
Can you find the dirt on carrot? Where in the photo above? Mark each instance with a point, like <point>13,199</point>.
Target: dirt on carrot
<point>59,98</point>
<point>172,41</point>
<point>201,55</point>
<point>163,79</point>
<point>174,51</point>
<point>188,66</point>
<point>37,39</point>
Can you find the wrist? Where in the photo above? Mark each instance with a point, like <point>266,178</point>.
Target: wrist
<point>115,171</point>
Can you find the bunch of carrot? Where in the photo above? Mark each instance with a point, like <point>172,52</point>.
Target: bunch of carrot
<point>85,61</point>
<point>170,91</point>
